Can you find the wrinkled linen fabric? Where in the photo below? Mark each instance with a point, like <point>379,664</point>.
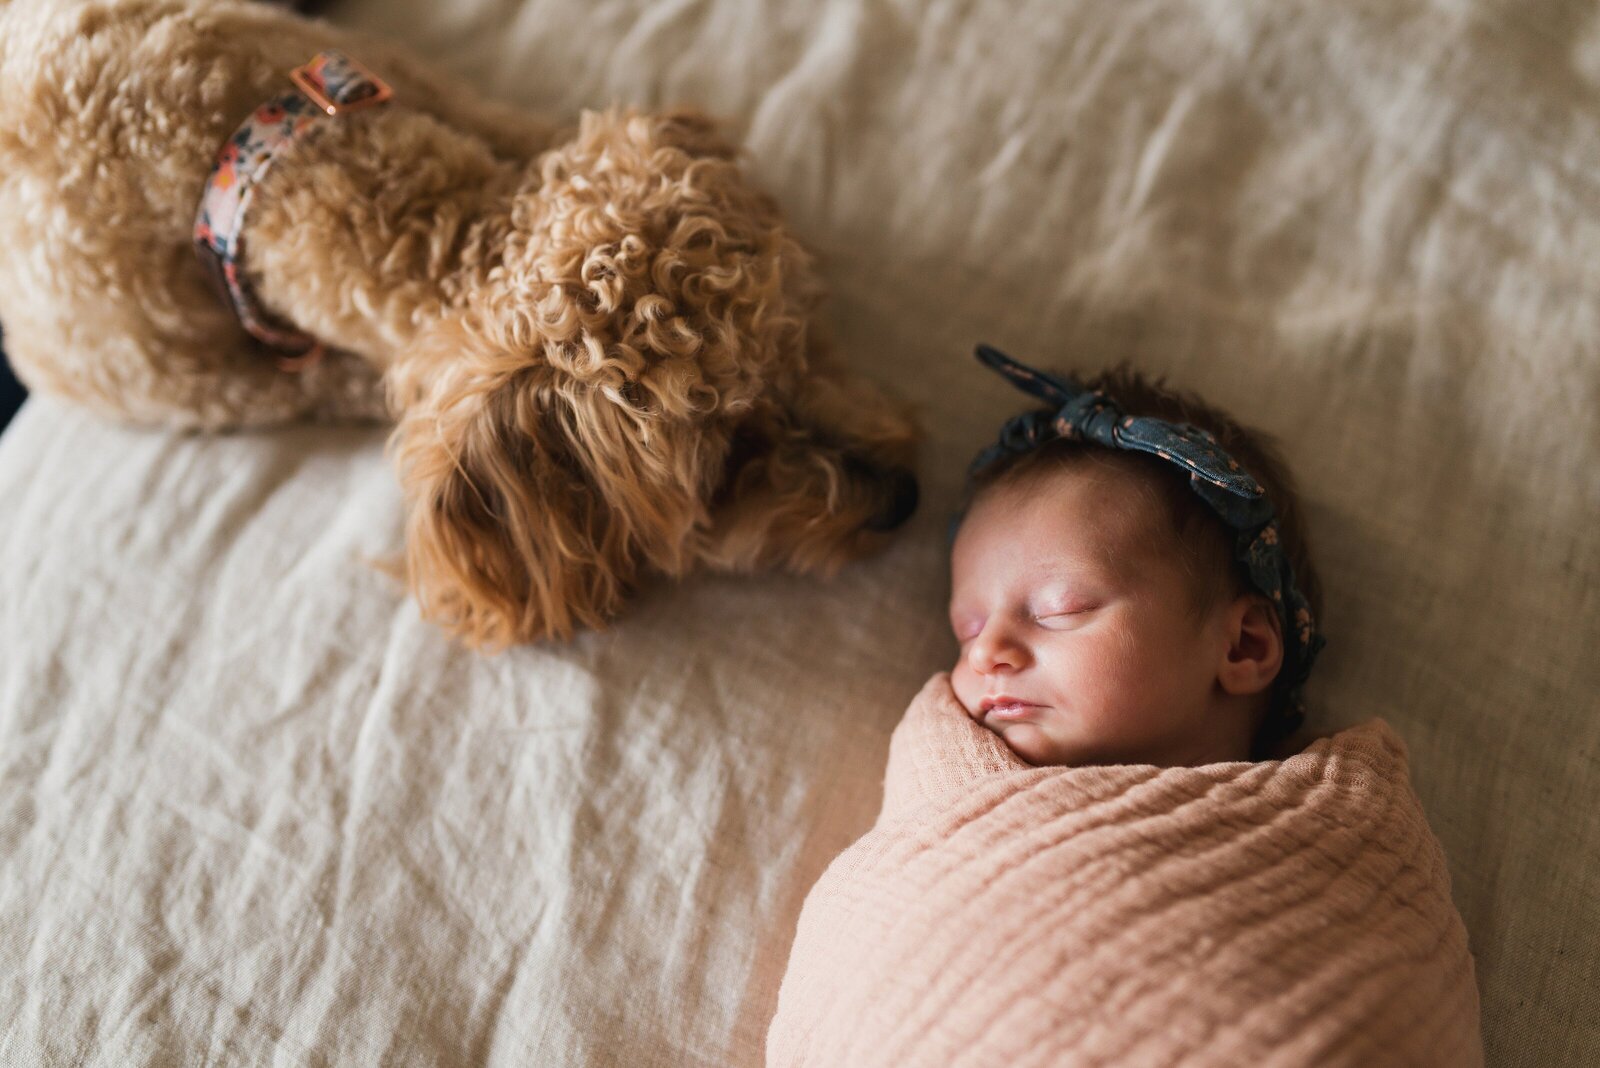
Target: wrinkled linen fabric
<point>253,811</point>
<point>1290,913</point>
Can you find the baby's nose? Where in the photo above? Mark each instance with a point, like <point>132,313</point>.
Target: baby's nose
<point>993,651</point>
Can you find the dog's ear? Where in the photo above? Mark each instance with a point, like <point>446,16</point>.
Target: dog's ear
<point>505,541</point>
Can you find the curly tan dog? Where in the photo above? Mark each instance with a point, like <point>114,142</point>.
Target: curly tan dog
<point>596,343</point>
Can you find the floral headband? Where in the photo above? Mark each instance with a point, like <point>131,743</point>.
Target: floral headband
<point>1237,498</point>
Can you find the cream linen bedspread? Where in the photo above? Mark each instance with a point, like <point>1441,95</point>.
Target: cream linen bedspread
<point>1290,914</point>
<point>254,812</point>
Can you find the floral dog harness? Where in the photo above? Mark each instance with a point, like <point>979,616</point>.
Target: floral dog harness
<point>331,84</point>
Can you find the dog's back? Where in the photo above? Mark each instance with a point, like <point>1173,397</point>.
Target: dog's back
<point>111,115</point>
<point>118,104</point>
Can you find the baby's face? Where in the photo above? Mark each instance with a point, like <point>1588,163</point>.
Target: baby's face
<point>1079,639</point>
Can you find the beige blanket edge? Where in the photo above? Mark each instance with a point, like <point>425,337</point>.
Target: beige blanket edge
<point>1292,912</point>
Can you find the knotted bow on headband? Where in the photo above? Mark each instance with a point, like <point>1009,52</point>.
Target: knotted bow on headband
<point>1090,416</point>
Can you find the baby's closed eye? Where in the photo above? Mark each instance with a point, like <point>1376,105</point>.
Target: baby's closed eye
<point>1060,615</point>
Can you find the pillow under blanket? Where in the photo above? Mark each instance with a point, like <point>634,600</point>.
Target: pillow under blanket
<point>1292,912</point>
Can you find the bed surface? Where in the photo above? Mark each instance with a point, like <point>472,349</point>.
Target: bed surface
<point>252,810</point>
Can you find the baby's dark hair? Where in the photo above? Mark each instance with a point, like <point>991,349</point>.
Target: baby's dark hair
<point>1205,541</point>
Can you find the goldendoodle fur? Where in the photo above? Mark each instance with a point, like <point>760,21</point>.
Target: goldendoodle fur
<point>597,343</point>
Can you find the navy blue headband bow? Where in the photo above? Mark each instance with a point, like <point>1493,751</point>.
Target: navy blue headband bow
<point>1080,414</point>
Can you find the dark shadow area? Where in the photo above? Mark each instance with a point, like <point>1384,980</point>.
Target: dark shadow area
<point>11,392</point>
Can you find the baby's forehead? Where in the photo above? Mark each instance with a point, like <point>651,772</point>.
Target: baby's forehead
<point>1110,513</point>
<point>1111,493</point>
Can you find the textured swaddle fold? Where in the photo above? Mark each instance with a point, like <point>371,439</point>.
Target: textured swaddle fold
<point>1292,912</point>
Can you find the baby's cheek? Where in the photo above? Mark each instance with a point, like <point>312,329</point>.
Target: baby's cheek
<point>962,682</point>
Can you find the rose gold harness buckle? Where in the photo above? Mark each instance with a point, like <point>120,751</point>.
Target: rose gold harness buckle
<point>305,81</point>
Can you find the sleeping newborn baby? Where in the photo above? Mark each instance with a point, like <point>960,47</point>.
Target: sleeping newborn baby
<point>1102,586</point>
<point>1098,845</point>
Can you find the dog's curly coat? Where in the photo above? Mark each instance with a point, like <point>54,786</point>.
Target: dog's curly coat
<point>596,343</point>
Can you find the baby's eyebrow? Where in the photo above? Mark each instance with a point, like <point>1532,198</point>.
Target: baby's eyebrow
<point>1113,555</point>
<point>1078,567</point>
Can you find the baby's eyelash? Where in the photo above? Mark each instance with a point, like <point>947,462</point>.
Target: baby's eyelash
<point>1076,610</point>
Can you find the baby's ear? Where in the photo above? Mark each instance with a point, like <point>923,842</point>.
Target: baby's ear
<point>1255,646</point>
<point>502,537</point>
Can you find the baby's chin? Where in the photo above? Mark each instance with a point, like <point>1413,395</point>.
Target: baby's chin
<point>1040,747</point>
<point>1032,743</point>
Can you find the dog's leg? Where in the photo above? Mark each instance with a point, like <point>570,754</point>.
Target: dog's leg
<point>200,387</point>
